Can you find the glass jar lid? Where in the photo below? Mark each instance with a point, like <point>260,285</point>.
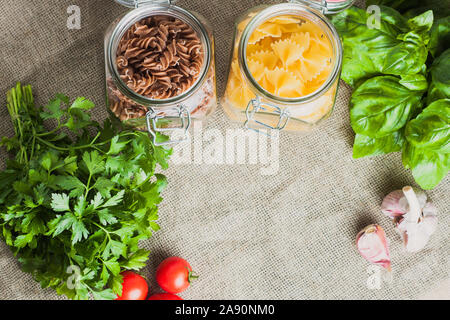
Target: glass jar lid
<point>327,6</point>
<point>138,3</point>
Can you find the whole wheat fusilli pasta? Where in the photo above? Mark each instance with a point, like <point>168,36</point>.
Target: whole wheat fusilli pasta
<point>160,57</point>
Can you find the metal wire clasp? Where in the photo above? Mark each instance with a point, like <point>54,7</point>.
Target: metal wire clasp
<point>152,125</point>
<point>255,106</point>
<point>138,3</point>
<point>320,5</point>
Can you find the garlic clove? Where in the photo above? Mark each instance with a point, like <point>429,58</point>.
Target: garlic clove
<point>392,206</point>
<point>373,245</point>
<point>418,224</point>
<point>415,236</point>
<point>396,205</point>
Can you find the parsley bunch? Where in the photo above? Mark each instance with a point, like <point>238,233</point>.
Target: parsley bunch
<point>77,199</point>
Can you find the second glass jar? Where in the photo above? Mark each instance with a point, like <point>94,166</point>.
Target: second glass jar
<point>275,80</point>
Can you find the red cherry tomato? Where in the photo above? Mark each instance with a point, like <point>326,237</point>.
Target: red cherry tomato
<point>164,296</point>
<point>134,287</point>
<point>174,275</point>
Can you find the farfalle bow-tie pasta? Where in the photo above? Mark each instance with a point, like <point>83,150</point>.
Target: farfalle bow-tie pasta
<point>288,57</point>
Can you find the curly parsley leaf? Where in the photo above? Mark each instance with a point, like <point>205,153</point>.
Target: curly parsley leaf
<point>137,260</point>
<point>60,202</point>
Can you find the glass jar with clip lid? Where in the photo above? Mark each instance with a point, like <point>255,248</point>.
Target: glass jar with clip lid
<point>160,69</point>
<point>285,66</point>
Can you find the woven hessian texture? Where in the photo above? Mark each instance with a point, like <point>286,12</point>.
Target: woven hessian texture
<point>249,236</point>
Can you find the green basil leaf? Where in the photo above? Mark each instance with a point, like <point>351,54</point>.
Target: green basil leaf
<point>381,106</point>
<point>357,68</point>
<point>396,4</point>
<point>440,78</point>
<point>428,167</point>
<point>397,47</point>
<point>440,37</point>
<point>407,57</point>
<point>431,129</point>
<point>415,82</point>
<point>422,23</point>
<point>365,146</point>
<point>441,8</point>
<point>365,49</point>
<point>396,20</point>
<point>414,7</point>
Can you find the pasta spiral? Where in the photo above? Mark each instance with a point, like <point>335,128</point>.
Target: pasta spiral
<point>160,57</point>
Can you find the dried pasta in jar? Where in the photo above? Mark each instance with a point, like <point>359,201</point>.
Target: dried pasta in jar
<point>284,70</point>
<point>160,68</point>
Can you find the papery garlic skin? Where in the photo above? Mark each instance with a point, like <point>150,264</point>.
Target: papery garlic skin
<point>392,206</point>
<point>373,245</point>
<point>415,235</point>
<point>396,205</point>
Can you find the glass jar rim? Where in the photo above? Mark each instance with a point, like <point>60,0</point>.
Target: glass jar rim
<point>291,9</point>
<point>145,11</point>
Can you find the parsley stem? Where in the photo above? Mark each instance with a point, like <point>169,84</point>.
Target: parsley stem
<point>43,134</point>
<point>143,182</point>
<point>96,137</point>
<point>88,186</point>
<point>33,144</point>
<point>91,145</point>
<point>87,145</point>
<point>50,145</point>
<point>99,226</point>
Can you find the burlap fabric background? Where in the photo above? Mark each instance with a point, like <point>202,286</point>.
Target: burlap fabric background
<point>249,236</point>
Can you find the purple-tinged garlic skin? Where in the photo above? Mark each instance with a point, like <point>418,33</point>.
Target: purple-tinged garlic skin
<point>395,204</point>
<point>418,224</point>
<point>373,245</point>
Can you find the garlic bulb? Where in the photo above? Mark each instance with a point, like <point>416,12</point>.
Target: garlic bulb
<point>415,219</point>
<point>373,245</point>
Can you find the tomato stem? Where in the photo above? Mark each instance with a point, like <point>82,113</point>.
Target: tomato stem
<point>191,276</point>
